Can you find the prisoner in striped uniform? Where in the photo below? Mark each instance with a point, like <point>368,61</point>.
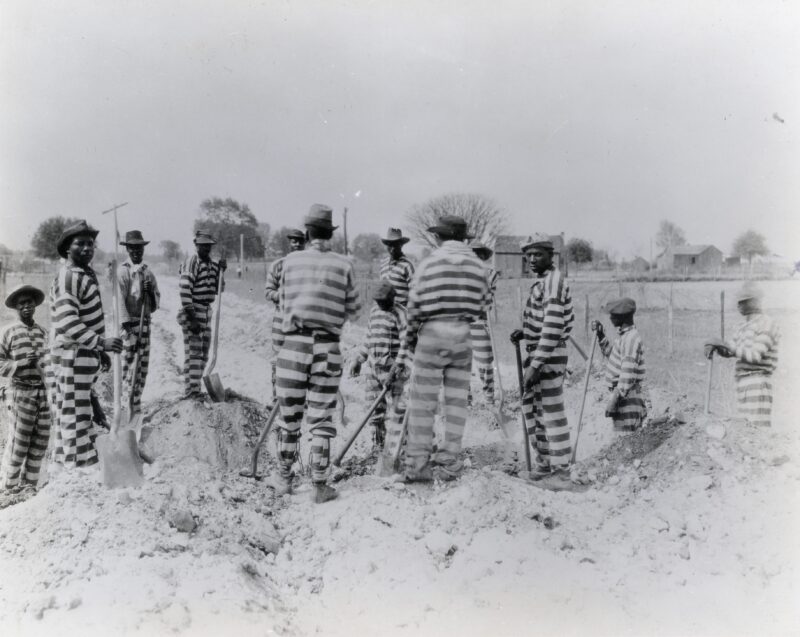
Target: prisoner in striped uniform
<point>138,290</point>
<point>396,268</point>
<point>198,283</point>
<point>78,345</point>
<point>546,324</point>
<point>755,347</point>
<point>384,333</point>
<point>448,293</point>
<point>479,330</point>
<point>625,367</point>
<point>317,294</point>
<point>22,348</point>
<point>297,241</point>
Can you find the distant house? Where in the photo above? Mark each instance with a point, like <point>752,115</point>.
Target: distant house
<point>511,263</point>
<point>690,258</point>
<point>639,264</point>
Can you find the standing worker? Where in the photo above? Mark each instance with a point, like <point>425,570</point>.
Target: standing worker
<point>138,290</point>
<point>755,348</point>
<point>198,284</point>
<point>78,344</point>
<point>479,330</point>
<point>546,325</point>
<point>396,268</point>
<point>317,295</point>
<point>297,241</point>
<point>448,293</point>
<point>624,366</point>
<point>22,347</point>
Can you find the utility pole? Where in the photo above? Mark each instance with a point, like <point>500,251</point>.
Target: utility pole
<point>344,223</point>
<point>241,248</point>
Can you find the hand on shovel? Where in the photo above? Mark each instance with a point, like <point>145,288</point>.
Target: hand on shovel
<point>531,377</point>
<point>611,407</point>
<point>112,344</point>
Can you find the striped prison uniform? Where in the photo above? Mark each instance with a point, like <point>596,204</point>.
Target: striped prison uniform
<point>76,336</point>
<point>546,324</point>
<point>198,289</point>
<point>130,278</point>
<point>272,292</point>
<point>448,293</point>
<point>399,273</point>
<point>755,346</point>
<point>625,373</point>
<point>317,294</point>
<point>384,334</point>
<point>28,410</point>
<point>482,344</point>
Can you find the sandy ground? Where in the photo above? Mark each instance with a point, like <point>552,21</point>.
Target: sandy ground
<point>686,529</point>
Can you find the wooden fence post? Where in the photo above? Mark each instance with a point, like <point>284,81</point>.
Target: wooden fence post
<point>670,326</point>
<point>722,314</point>
<point>586,316</point>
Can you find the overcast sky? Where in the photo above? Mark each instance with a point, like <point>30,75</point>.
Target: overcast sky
<point>597,119</point>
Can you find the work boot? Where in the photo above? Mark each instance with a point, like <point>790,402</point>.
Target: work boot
<point>445,474</point>
<point>282,485</point>
<point>323,493</point>
<point>423,475</point>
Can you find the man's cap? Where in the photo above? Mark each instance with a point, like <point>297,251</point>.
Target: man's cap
<point>537,240</point>
<point>294,233</point>
<point>395,235</point>
<point>749,290</point>
<point>452,226</point>
<point>203,236</point>
<point>384,292</point>
<point>134,238</point>
<point>320,216</point>
<point>624,305</point>
<point>36,293</point>
<point>70,232</point>
<point>481,249</point>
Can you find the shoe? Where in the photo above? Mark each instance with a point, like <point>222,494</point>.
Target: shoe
<point>323,493</point>
<point>443,474</point>
<point>282,485</point>
<point>423,475</point>
<point>534,475</point>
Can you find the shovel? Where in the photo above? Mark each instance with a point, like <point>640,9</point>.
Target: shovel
<point>118,451</point>
<point>253,471</point>
<point>135,420</point>
<point>503,421</point>
<point>354,435</point>
<point>212,382</point>
<point>526,441</point>
<point>583,397</point>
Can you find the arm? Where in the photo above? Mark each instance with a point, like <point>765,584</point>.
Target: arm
<point>186,285</point>
<point>552,332</point>
<point>66,316</point>
<point>631,351</point>
<point>352,305</point>
<point>8,366</point>
<point>273,284</point>
<point>754,346</point>
<point>155,294</point>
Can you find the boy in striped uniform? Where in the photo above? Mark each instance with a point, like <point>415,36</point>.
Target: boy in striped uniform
<point>396,268</point>
<point>297,241</point>
<point>78,345</point>
<point>139,293</point>
<point>317,294</point>
<point>384,333</point>
<point>198,289</point>
<point>481,343</point>
<point>755,347</point>
<point>624,367</point>
<point>22,348</point>
<point>546,324</point>
<point>448,293</point>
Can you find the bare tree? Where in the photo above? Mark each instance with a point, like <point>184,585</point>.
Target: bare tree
<point>483,216</point>
<point>750,244</point>
<point>669,235</point>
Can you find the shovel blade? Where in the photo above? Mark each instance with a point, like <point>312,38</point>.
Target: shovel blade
<point>214,388</point>
<point>120,460</point>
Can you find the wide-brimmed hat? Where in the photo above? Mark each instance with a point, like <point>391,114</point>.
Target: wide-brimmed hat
<point>624,305</point>
<point>320,216</point>
<point>537,240</point>
<point>481,248</point>
<point>70,232</point>
<point>395,235</point>
<point>11,299</point>
<point>202,236</point>
<point>294,233</point>
<point>749,290</point>
<point>134,238</point>
<point>384,292</point>
<point>452,226</point>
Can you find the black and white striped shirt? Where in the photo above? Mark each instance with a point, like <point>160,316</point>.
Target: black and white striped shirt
<point>76,309</point>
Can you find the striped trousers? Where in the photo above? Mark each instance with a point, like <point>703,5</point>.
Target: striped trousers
<point>394,398</point>
<point>75,371</point>
<point>28,434</point>
<point>443,356</point>
<point>631,410</point>
<point>754,398</point>
<point>308,374</point>
<point>543,406</point>
<point>133,339</point>
<point>483,356</point>
<point>195,348</point>
<point>277,343</point>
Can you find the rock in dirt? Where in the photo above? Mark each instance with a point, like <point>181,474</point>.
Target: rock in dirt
<point>183,520</point>
<point>716,430</point>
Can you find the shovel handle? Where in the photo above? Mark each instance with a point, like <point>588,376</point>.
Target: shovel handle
<point>262,437</point>
<point>361,425</point>
<point>708,383</point>
<point>583,397</point>
<point>522,409</point>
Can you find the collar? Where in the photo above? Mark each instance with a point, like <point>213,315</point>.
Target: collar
<point>320,245</point>
<point>545,273</point>
<point>134,268</point>
<point>624,328</point>
<point>77,268</point>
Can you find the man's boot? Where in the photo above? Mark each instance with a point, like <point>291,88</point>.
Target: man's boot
<point>280,483</point>
<point>323,493</point>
